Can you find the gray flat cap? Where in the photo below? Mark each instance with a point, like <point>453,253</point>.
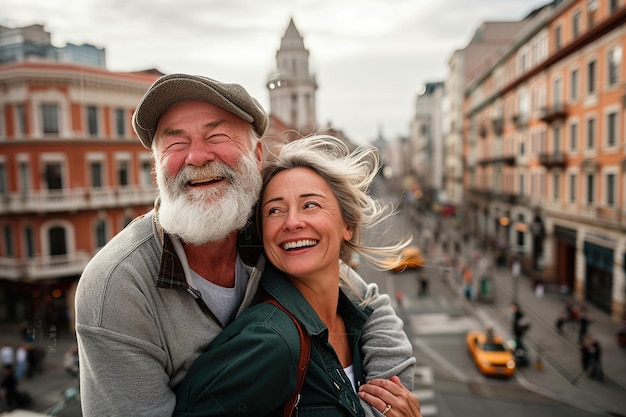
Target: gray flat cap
<point>175,88</point>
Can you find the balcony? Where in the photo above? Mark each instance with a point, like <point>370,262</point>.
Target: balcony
<point>521,120</point>
<point>556,112</point>
<point>553,159</point>
<point>498,125</point>
<point>43,267</point>
<point>498,159</point>
<point>76,199</point>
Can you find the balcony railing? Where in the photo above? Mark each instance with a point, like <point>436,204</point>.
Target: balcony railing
<point>43,267</point>
<point>75,199</point>
<point>521,120</point>
<point>553,159</point>
<point>553,113</point>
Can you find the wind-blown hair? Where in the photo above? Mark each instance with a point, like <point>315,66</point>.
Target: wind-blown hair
<point>349,176</point>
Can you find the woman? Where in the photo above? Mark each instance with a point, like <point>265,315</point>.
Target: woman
<point>313,208</point>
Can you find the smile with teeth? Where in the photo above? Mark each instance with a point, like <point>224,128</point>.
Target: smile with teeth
<point>202,181</point>
<point>299,244</point>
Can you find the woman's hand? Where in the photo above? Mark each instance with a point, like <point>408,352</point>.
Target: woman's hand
<point>390,397</point>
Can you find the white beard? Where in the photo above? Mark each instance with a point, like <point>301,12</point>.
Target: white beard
<point>201,216</point>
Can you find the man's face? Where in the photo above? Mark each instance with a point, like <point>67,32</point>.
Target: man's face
<point>208,173</point>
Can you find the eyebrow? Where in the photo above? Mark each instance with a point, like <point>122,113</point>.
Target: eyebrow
<point>300,196</point>
<point>168,131</point>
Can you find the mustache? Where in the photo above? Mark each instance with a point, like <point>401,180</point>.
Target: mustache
<point>208,170</point>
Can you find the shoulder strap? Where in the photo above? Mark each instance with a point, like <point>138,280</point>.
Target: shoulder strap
<point>303,361</point>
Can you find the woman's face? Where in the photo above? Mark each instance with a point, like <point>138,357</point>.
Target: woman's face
<point>303,228</point>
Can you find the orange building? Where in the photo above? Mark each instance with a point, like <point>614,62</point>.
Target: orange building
<point>72,175</point>
<point>546,150</point>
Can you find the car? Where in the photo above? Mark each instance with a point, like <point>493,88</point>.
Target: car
<point>492,357</point>
<point>410,258</point>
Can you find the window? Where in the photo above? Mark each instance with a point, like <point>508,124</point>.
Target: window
<point>573,136</point>
<point>54,179</point>
<point>590,191</point>
<point>556,148</point>
<point>146,173</point>
<point>573,88</point>
<point>556,179</point>
<point>92,120</point>
<point>29,242</point>
<point>613,5</point>
<point>96,169</point>
<point>7,235</point>
<point>3,178</point>
<point>122,173</point>
<point>576,23</point>
<point>50,114</point>
<point>120,123</point>
<point>24,172</point>
<point>614,64</point>
<point>557,93</point>
<point>522,189</point>
<point>101,233</point>
<point>591,77</point>
<point>610,190</point>
<point>557,38</point>
<point>572,188</point>
<point>591,133</point>
<point>21,120</point>
<point>611,129</point>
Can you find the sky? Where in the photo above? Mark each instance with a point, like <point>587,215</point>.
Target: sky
<point>369,56</point>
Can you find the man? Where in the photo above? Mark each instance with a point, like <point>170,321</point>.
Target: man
<point>156,295</point>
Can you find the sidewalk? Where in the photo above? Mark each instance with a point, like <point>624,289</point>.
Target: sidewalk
<point>46,387</point>
<point>561,352</point>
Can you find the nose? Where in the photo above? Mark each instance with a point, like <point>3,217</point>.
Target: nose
<point>199,153</point>
<point>293,221</point>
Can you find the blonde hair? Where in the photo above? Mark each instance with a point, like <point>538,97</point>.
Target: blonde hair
<point>349,175</point>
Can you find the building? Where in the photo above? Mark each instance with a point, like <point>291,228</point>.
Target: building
<point>292,86</point>
<point>487,40</point>
<point>546,150</point>
<point>425,142</point>
<point>72,175</point>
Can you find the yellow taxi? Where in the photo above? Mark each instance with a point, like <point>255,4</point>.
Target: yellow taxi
<point>492,357</point>
<point>410,258</point>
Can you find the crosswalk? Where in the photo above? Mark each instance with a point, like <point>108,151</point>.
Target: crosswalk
<point>433,316</point>
<point>424,391</point>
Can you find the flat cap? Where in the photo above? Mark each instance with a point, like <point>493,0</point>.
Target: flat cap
<point>176,88</point>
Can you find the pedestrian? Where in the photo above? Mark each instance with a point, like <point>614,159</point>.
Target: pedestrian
<point>572,314</point>
<point>422,282</point>
<point>313,210</point>
<point>468,280</point>
<point>7,355</point>
<point>583,323</point>
<point>21,358</point>
<point>520,325</point>
<point>594,368</point>
<point>8,388</point>
<point>152,299</point>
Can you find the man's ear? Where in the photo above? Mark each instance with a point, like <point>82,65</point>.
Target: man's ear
<point>258,153</point>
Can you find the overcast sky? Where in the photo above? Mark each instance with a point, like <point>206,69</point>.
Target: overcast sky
<point>369,56</point>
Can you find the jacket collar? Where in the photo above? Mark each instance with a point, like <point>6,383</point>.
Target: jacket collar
<point>278,286</point>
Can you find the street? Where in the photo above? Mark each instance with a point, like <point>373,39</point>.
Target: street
<point>438,322</point>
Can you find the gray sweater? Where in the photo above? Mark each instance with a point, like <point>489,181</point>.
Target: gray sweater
<point>136,339</point>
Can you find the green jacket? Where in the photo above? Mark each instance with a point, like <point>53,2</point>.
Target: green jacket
<point>250,368</point>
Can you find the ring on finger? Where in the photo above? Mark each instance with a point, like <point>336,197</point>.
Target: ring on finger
<point>386,410</point>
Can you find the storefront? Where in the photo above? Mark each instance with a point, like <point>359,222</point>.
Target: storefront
<point>598,275</point>
<point>565,265</point>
